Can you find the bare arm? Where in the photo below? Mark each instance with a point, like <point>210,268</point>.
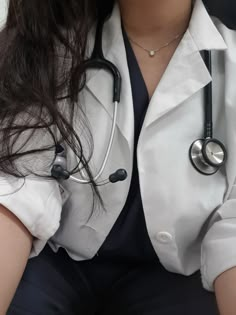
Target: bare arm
<point>225,288</point>
<point>15,246</point>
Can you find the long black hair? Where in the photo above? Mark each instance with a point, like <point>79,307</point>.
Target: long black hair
<point>42,48</point>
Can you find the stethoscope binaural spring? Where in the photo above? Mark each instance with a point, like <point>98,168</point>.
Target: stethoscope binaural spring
<point>207,154</point>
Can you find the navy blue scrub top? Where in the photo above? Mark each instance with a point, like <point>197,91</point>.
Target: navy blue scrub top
<point>128,240</point>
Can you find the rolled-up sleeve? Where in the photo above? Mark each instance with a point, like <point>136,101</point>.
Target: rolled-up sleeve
<point>35,199</point>
<point>218,252</point>
<point>36,202</point>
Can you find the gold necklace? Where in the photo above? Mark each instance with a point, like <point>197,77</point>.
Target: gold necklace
<point>152,52</point>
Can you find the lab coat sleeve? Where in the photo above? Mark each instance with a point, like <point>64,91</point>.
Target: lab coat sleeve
<point>218,252</point>
<point>34,200</point>
<point>36,203</point>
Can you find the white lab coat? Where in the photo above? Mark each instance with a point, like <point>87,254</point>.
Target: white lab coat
<point>191,218</point>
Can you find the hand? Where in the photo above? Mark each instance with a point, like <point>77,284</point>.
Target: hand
<point>225,288</point>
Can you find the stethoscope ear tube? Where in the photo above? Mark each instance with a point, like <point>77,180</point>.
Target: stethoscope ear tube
<point>98,61</point>
<point>208,155</point>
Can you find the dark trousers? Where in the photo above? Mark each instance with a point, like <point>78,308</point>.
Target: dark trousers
<point>55,284</point>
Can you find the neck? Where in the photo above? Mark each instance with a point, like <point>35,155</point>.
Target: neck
<point>155,18</point>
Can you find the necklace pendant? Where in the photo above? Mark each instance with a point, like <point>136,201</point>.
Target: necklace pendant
<point>151,53</point>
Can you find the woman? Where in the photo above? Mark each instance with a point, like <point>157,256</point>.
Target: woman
<point>159,241</point>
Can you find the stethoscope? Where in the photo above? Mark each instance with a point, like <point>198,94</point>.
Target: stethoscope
<point>207,155</point>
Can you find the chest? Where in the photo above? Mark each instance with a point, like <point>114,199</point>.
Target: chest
<point>153,68</point>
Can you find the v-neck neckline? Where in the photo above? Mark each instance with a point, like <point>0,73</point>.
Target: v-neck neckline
<point>129,50</point>
<point>139,89</point>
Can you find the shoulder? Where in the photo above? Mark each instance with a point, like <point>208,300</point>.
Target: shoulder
<point>228,34</point>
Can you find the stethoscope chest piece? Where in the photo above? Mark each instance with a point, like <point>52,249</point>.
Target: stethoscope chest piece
<point>207,155</point>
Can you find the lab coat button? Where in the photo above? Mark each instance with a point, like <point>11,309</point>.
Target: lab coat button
<point>164,237</point>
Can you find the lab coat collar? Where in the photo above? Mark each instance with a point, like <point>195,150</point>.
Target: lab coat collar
<point>203,31</point>
<point>186,73</point>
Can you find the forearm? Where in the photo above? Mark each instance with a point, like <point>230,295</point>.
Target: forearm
<point>15,246</point>
<point>225,288</point>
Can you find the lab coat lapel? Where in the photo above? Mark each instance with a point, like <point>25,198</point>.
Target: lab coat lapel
<point>100,83</point>
<point>186,73</point>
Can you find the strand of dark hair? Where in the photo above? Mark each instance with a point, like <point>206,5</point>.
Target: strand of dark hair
<point>30,82</point>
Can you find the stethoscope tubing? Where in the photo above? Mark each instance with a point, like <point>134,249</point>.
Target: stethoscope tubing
<point>108,151</point>
<point>208,129</point>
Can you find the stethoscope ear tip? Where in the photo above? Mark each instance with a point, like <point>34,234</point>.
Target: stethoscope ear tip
<point>119,176</point>
<point>59,173</point>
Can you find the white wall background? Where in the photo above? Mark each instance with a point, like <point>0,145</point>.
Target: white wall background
<point>3,12</point>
